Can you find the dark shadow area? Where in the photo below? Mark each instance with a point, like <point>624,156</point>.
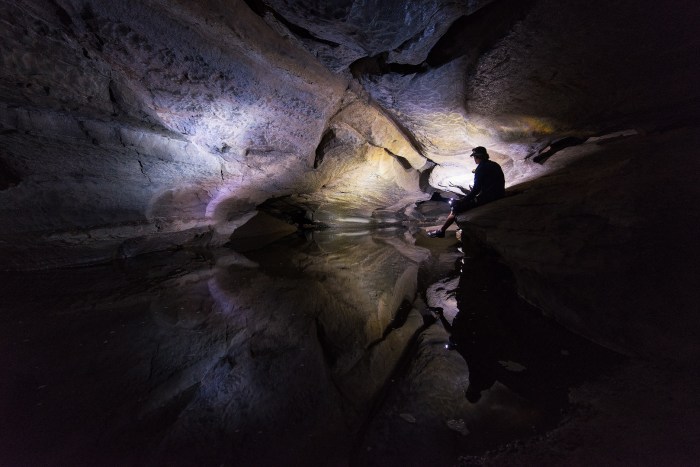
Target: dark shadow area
<point>8,177</point>
<point>377,65</point>
<point>504,339</point>
<point>424,180</point>
<point>260,8</point>
<point>472,35</point>
<point>556,146</point>
<point>292,213</point>
<point>401,160</point>
<point>323,147</point>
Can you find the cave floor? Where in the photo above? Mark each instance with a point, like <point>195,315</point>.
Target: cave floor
<point>322,352</point>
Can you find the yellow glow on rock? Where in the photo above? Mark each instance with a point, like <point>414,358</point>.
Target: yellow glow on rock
<point>524,126</point>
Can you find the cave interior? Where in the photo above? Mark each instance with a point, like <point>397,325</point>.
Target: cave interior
<point>214,214</point>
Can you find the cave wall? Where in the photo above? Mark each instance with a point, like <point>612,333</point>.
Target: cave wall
<point>139,126</point>
<point>133,127</point>
<point>516,76</point>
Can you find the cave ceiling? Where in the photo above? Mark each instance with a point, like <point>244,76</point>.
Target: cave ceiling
<point>137,124</point>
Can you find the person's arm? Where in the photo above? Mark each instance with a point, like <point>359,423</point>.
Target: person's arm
<point>465,191</point>
<point>477,186</point>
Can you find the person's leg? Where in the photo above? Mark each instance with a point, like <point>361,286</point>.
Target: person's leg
<point>448,222</point>
<point>441,231</point>
<point>459,207</point>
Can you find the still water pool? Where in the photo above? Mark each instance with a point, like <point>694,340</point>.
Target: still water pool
<point>319,349</point>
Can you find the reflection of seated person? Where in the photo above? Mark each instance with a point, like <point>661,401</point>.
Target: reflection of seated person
<point>489,185</point>
<point>494,328</point>
<point>476,347</point>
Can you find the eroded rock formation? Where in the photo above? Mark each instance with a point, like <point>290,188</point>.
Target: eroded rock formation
<point>132,127</point>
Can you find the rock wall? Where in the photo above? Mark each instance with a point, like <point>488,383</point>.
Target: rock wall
<point>606,242</point>
<point>137,126</point>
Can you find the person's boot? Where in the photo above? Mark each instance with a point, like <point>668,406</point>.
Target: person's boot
<point>436,234</point>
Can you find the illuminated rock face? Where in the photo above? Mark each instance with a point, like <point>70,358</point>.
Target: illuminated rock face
<point>139,126</point>
<point>131,127</point>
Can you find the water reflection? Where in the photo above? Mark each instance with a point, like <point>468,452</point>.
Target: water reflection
<point>504,339</point>
<point>494,371</point>
<point>204,356</point>
<point>306,351</point>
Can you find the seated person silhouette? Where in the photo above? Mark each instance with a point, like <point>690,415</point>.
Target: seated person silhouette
<point>489,185</point>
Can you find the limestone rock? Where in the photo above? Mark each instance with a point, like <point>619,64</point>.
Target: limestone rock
<point>119,139</point>
<point>342,32</point>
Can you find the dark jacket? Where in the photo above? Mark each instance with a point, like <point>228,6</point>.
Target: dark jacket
<point>489,183</point>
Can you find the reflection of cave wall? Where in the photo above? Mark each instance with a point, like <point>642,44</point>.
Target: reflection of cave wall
<point>185,363</point>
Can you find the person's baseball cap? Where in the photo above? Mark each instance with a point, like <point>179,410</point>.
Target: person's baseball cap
<point>479,152</point>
